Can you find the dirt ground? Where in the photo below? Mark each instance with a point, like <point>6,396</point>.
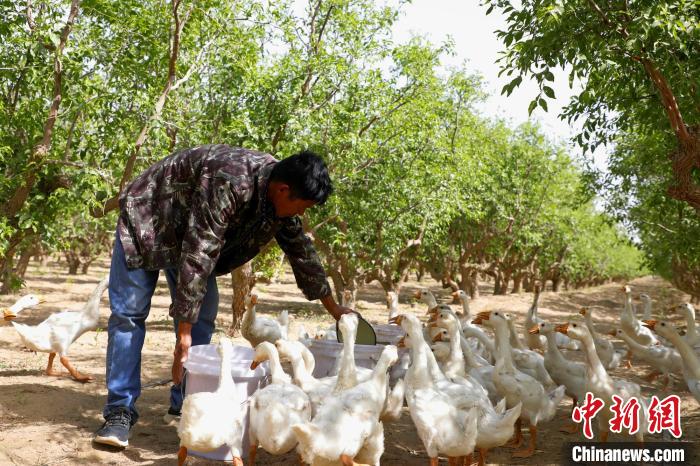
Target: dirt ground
<point>48,420</point>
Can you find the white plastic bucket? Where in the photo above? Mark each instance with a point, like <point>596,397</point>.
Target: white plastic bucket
<point>203,366</point>
<point>388,334</point>
<point>327,356</point>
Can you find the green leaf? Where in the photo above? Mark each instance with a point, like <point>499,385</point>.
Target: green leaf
<point>548,91</point>
<point>54,38</point>
<point>532,106</point>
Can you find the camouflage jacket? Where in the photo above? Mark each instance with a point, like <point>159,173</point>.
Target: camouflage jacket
<point>204,210</point>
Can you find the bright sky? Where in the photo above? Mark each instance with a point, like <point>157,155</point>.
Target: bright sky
<point>473,33</point>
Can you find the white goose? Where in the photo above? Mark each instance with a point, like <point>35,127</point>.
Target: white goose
<point>257,329</point>
<point>663,359</point>
<point>526,360</point>
<point>442,424</point>
<point>691,362</point>
<point>461,363</point>
<point>212,419</point>
<point>609,356</point>
<point>601,384</point>
<point>301,359</point>
<point>427,297</point>
<point>346,427</point>
<point>55,334</point>
<point>319,389</point>
<point>518,387</point>
<point>347,372</point>
<point>631,326</point>
<point>392,303</point>
<point>484,342</point>
<point>469,345</point>
<point>571,374</point>
<point>692,335</point>
<point>536,341</point>
<point>25,302</point>
<point>275,408</point>
<point>646,306</point>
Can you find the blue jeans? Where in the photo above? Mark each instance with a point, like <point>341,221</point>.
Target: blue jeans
<point>130,292</point>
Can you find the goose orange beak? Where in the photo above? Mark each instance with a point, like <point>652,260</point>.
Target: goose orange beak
<point>612,333</point>
<point>254,365</point>
<point>396,320</point>
<point>563,328</point>
<point>417,294</point>
<point>42,300</point>
<point>582,311</point>
<point>402,342</point>
<point>535,330</point>
<point>455,294</point>
<point>432,310</point>
<point>437,337</point>
<point>8,315</point>
<point>650,324</point>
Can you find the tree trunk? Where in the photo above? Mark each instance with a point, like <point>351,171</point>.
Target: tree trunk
<point>505,282</point>
<point>6,273</point>
<point>498,284</point>
<point>420,273</point>
<point>73,261</point>
<point>556,282</point>
<point>349,298</point>
<point>517,283</point>
<point>242,281</point>
<point>473,284</point>
<point>23,261</point>
<point>338,284</point>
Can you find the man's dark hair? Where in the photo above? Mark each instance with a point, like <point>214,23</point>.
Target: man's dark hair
<point>307,176</point>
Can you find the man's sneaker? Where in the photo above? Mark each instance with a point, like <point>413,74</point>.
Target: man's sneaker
<point>173,416</point>
<point>115,430</point>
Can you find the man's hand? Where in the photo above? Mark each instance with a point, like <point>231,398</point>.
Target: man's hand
<point>182,348</point>
<point>333,308</point>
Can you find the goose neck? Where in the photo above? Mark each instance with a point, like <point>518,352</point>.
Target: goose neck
<point>504,358</point>
<point>277,374</point>
<point>690,359</point>
<point>594,360</point>
<point>225,378</point>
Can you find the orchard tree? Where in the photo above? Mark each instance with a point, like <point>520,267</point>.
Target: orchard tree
<point>638,63</point>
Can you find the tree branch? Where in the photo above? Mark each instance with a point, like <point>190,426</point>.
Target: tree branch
<point>113,202</point>
<point>30,17</point>
<point>41,150</point>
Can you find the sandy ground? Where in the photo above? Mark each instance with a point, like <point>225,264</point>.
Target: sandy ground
<point>48,420</point>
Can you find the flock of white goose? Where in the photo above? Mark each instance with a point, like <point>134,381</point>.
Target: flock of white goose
<point>471,382</point>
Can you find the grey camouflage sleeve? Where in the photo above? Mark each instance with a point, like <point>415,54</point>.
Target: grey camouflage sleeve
<point>306,265</point>
<point>213,205</point>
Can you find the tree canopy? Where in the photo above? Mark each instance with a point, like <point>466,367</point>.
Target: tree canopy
<point>96,91</point>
